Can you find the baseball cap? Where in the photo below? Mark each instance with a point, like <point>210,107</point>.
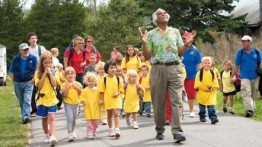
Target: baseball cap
<point>246,37</point>
<point>23,46</point>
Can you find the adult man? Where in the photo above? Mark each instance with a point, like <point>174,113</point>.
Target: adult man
<point>165,47</point>
<point>35,50</point>
<point>22,72</point>
<point>248,59</point>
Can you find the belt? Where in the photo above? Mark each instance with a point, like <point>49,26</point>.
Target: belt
<point>167,63</point>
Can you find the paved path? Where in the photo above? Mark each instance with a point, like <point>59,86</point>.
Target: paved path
<point>231,131</point>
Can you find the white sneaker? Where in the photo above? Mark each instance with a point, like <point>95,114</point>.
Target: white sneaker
<point>74,134</point>
<point>70,137</point>
<point>117,133</point>
<point>135,125</point>
<point>53,140</point>
<point>111,133</point>
<point>128,121</point>
<point>47,138</point>
<point>192,114</point>
<point>90,136</point>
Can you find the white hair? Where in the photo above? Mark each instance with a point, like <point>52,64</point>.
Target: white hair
<point>154,15</point>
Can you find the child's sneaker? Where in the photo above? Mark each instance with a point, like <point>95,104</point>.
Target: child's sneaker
<point>192,114</point>
<point>47,138</point>
<point>135,125</point>
<point>90,136</point>
<point>231,112</point>
<point>214,121</point>
<point>104,122</point>
<point>117,133</point>
<point>53,140</point>
<point>128,121</point>
<point>203,120</point>
<point>70,137</point>
<point>111,133</point>
<point>224,109</point>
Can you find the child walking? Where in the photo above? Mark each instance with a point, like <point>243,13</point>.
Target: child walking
<point>206,84</point>
<point>227,87</point>
<point>71,91</point>
<point>144,81</point>
<point>90,99</point>
<point>131,60</point>
<point>131,104</point>
<point>110,90</point>
<point>46,100</point>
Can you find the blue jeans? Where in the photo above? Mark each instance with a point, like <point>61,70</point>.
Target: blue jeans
<point>79,78</point>
<point>211,111</point>
<point>23,91</point>
<point>147,107</point>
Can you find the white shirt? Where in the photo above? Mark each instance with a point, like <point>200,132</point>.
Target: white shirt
<point>34,51</point>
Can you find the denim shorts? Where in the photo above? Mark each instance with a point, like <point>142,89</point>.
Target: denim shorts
<point>42,111</point>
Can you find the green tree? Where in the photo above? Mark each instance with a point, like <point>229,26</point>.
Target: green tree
<point>200,15</point>
<point>114,24</point>
<point>11,24</point>
<point>55,22</point>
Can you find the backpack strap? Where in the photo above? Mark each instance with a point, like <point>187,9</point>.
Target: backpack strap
<point>212,73</point>
<point>39,50</point>
<point>72,53</point>
<point>117,78</point>
<point>201,74</point>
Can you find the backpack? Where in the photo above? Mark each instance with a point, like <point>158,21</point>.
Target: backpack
<point>237,83</point>
<point>39,50</point>
<point>259,71</point>
<point>72,53</point>
<point>201,74</point>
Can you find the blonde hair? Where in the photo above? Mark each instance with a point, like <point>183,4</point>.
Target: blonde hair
<point>59,65</point>
<point>69,69</point>
<point>89,75</point>
<point>100,65</point>
<point>41,69</point>
<point>77,39</point>
<point>131,72</point>
<point>54,50</point>
<point>207,58</point>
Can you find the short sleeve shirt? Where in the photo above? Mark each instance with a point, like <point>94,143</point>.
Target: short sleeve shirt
<point>164,46</point>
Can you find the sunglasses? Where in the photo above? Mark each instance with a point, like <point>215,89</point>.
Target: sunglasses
<point>89,41</point>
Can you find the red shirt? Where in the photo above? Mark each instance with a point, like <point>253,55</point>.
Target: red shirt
<point>90,50</point>
<point>75,61</point>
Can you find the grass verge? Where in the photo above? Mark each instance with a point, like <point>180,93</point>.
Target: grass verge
<point>12,132</point>
<point>239,106</point>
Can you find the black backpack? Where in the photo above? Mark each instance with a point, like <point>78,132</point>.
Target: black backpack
<point>201,74</point>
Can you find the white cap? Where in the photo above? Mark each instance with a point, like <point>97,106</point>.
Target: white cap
<point>246,37</point>
<point>23,46</point>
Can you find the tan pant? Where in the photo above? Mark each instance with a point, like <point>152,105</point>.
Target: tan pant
<point>249,92</point>
<point>163,78</point>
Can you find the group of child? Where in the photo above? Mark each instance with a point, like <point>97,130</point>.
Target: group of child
<point>109,89</point>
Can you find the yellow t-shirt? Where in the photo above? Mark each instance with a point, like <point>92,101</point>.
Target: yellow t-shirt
<point>131,103</point>
<point>227,86</point>
<point>91,108</point>
<point>72,96</point>
<point>183,72</point>
<point>206,98</point>
<point>145,83</point>
<point>111,87</point>
<point>49,96</point>
<point>133,63</point>
<point>60,77</point>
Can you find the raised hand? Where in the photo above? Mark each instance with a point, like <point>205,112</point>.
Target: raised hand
<point>143,36</point>
<point>188,41</point>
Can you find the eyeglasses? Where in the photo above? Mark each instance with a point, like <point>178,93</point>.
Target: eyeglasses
<point>80,43</point>
<point>26,50</point>
<point>89,41</point>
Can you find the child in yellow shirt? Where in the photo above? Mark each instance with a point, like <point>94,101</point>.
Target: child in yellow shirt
<point>100,76</point>
<point>71,90</point>
<point>131,60</point>
<point>46,100</point>
<point>90,99</point>
<point>131,104</point>
<point>144,81</point>
<point>110,90</point>
<point>120,74</point>
<point>206,84</point>
<point>59,75</point>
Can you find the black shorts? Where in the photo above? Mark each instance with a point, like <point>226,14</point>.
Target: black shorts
<point>229,93</point>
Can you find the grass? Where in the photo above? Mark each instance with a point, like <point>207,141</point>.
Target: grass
<point>12,132</point>
<point>239,106</point>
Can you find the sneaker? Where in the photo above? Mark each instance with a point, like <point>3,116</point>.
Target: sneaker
<point>70,137</point>
<point>167,122</point>
<point>224,109</point>
<point>249,113</point>
<point>192,114</point>
<point>47,138</point>
<point>179,137</point>
<point>128,121</point>
<point>148,115</point>
<point>160,136</point>
<point>117,133</point>
<point>203,120</point>
<point>111,133</point>
<point>123,115</point>
<point>74,134</point>
<point>104,122</point>
<point>135,125</point>
<point>53,140</point>
<point>25,121</point>
<point>90,136</point>
<point>214,121</point>
<point>231,112</point>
